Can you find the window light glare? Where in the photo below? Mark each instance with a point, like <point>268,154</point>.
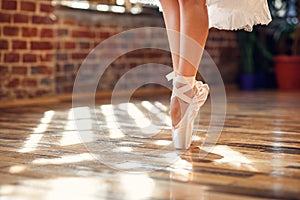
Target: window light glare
<point>16,169</point>
<point>118,9</point>
<point>120,2</point>
<point>124,149</point>
<point>162,142</point>
<point>79,5</point>
<point>31,143</point>
<point>64,159</point>
<point>136,10</point>
<point>103,8</point>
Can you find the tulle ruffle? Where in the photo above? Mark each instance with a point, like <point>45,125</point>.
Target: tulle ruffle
<point>233,14</point>
<point>241,14</point>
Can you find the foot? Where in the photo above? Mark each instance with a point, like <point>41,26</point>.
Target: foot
<point>178,107</point>
<point>187,98</point>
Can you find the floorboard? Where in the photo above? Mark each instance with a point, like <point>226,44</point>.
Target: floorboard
<point>48,153</point>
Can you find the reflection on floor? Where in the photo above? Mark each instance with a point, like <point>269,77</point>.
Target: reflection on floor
<point>125,151</point>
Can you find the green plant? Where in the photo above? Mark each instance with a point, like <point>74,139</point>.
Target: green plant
<point>285,29</point>
<point>285,26</point>
<point>246,44</point>
<point>250,48</point>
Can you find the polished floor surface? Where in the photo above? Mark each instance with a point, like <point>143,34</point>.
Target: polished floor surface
<point>124,151</point>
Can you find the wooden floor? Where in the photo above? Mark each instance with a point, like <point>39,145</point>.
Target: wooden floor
<point>43,155</point>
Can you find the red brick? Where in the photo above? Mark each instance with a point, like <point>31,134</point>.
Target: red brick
<point>21,93</point>
<point>46,58</point>
<point>46,8</point>
<point>29,57</point>
<point>11,57</point>
<point>13,83</point>
<point>20,18</point>
<point>68,88</point>
<point>11,30</point>
<point>95,43</point>
<point>4,74</point>
<point>29,32</point>
<point>3,70</point>
<point>58,45</point>
<point>42,70</point>
<point>46,81</point>
<point>62,32</point>
<point>9,5</point>
<point>58,67</point>
<point>42,45</point>
<point>19,44</point>
<point>29,82</point>
<point>41,20</point>
<point>61,79</point>
<point>5,17</point>
<point>70,45</point>
<point>28,6</point>
<point>47,32</point>
<point>62,56</point>
<point>69,22</point>
<point>19,70</point>
<point>84,45</point>
<point>79,56</point>
<point>41,92</point>
<point>69,67</point>
<point>104,35</point>
<point>4,94</point>
<point>3,44</point>
<point>82,34</point>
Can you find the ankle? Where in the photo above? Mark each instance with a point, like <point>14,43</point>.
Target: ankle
<point>188,80</point>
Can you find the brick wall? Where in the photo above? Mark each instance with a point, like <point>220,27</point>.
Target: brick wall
<point>223,48</point>
<point>78,32</point>
<point>41,48</point>
<point>27,48</point>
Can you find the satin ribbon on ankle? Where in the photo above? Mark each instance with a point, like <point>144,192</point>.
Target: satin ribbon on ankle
<point>188,84</point>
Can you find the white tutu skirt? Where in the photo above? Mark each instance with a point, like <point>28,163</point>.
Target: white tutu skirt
<point>237,14</point>
<point>233,14</point>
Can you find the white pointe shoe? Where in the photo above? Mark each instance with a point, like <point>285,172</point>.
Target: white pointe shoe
<point>182,133</point>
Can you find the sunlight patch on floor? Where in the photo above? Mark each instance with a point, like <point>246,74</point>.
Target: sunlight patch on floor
<point>32,142</point>
<point>64,159</point>
<point>233,158</point>
<point>110,121</point>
